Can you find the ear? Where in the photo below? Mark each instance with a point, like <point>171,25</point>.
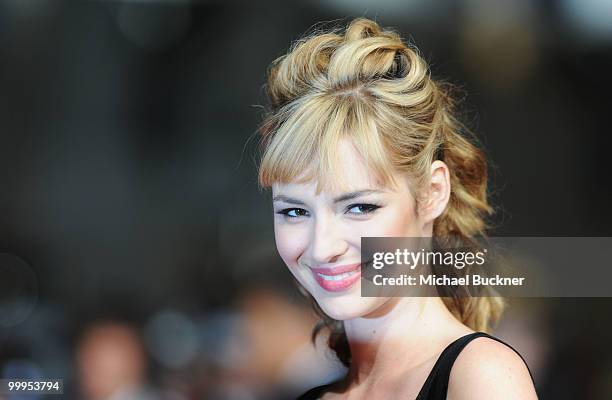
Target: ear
<point>436,194</point>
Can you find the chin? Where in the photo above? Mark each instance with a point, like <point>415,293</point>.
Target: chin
<point>347,307</point>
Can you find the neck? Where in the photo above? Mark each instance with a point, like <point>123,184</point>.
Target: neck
<point>405,332</point>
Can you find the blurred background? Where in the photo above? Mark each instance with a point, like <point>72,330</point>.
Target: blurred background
<point>138,257</point>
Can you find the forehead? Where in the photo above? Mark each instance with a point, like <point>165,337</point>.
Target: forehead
<point>351,173</point>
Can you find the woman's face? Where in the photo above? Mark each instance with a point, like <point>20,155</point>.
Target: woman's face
<point>319,236</point>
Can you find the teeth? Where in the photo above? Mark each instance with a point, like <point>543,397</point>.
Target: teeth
<point>337,277</point>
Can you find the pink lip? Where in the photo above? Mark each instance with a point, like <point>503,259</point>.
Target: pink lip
<point>339,285</point>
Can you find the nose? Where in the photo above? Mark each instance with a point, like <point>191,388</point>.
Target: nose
<point>327,243</point>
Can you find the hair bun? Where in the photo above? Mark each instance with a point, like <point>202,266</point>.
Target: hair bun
<point>362,55</point>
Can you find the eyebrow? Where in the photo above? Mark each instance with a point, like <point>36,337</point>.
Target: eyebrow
<point>341,198</point>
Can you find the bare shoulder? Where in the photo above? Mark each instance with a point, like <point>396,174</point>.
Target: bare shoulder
<point>488,369</point>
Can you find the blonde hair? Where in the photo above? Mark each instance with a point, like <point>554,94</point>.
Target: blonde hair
<point>365,84</point>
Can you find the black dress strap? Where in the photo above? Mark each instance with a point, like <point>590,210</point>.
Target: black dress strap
<point>436,385</point>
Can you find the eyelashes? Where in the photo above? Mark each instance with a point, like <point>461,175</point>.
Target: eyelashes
<point>367,208</point>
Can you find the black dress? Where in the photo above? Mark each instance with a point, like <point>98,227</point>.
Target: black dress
<point>436,384</point>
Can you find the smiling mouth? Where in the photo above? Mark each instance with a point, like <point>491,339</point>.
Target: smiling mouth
<point>337,277</point>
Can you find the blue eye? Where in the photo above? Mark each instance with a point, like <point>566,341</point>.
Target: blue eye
<point>365,208</point>
<point>293,212</point>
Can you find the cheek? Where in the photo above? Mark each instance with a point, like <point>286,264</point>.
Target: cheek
<point>290,242</point>
<point>394,221</point>
<point>404,224</point>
